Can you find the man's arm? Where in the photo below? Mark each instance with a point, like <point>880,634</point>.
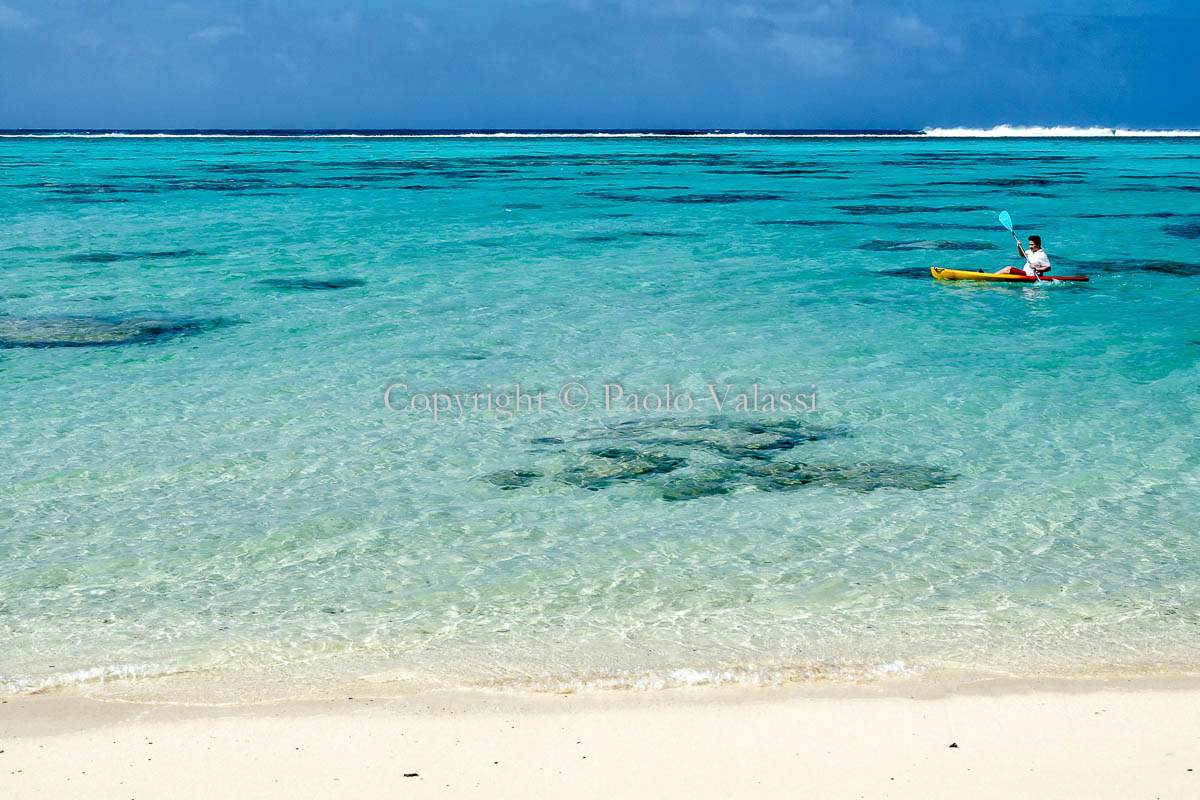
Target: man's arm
<point>1021,250</point>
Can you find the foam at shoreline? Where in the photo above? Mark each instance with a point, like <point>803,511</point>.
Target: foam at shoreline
<point>24,685</point>
<point>159,684</point>
<point>253,681</point>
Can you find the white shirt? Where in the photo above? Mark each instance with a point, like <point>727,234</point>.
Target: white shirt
<point>1038,259</point>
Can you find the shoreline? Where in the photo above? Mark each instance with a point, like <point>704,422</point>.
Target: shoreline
<point>1062,738</point>
<point>269,685</point>
<point>315,682</point>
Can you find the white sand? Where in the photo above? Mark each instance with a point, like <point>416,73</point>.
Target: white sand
<point>1121,739</point>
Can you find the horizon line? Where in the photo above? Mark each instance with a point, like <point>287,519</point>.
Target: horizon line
<point>999,131</point>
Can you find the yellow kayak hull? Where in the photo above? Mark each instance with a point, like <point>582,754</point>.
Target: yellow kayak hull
<point>991,277</point>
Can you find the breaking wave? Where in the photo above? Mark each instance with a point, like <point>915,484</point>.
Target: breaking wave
<point>99,674</point>
<point>743,675</point>
<point>1001,131</point>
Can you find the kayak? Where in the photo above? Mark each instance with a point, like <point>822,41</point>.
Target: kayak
<point>964,275</point>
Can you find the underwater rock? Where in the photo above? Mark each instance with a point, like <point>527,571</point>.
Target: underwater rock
<point>512,478</point>
<point>311,284</point>
<point>782,476</point>
<point>630,236</point>
<point>914,272</point>
<point>1144,215</point>
<point>888,210</point>
<point>107,258</point>
<point>749,439</point>
<point>885,246</point>
<point>1181,269</point>
<point>95,258</point>
<point>763,450</point>
<point>693,488</point>
<point>451,354</point>
<point>793,429</point>
<point>782,427</point>
<point>744,452</point>
<point>860,476</point>
<point>930,225</point>
<point>615,452</point>
<point>730,438</point>
<point>625,197</point>
<point>96,331</point>
<point>807,223</point>
<point>776,476</point>
<point>614,465</point>
<point>1186,231</point>
<point>723,197</point>
<point>864,476</point>
<point>1010,182</point>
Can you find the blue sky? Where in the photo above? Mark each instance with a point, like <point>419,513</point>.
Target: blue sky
<point>598,63</point>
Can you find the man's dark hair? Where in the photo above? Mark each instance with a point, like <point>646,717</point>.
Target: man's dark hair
<point>1036,239</point>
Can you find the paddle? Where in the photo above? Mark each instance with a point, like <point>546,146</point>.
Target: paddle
<point>1006,221</point>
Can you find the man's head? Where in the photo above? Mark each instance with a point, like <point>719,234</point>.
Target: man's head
<point>1035,242</point>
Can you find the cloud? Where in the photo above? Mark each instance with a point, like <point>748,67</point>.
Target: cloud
<point>814,55</point>
<point>793,14</point>
<point>339,25</point>
<point>12,19</point>
<point>215,34</point>
<point>909,30</point>
<point>87,38</point>
<point>790,63</point>
<point>783,13</point>
<point>183,11</point>
<point>419,24</point>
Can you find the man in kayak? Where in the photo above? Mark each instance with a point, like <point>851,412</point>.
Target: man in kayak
<point>1036,260</point>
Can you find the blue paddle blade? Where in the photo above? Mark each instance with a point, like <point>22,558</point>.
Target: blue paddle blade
<point>1006,220</point>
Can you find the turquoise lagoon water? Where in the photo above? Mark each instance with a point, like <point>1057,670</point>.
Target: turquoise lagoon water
<point>207,480</point>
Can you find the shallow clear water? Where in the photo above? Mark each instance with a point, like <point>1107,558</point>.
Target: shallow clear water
<point>996,477</point>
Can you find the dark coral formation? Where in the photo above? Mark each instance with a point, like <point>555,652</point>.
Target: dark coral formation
<point>77,331</point>
<point>108,258</point>
<point>311,284</point>
<point>1182,269</point>
<point>688,460</point>
<point>512,478</point>
<point>885,246</point>
<point>602,468</point>
<point>921,273</point>
<point>1189,230</point>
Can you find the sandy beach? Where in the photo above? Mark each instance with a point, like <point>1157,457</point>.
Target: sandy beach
<point>1120,739</point>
